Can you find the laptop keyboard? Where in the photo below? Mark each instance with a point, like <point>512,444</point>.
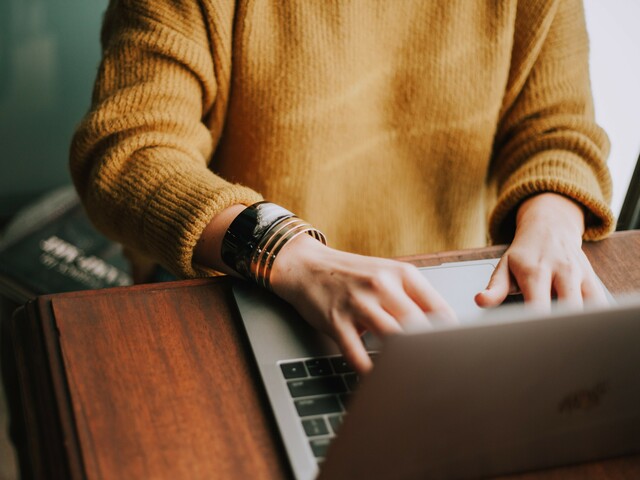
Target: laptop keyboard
<point>320,389</point>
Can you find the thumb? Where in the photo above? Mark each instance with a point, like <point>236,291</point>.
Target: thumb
<point>498,288</point>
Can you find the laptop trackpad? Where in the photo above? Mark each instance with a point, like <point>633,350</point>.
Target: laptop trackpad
<point>458,283</point>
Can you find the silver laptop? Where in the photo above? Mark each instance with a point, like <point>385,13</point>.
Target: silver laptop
<point>503,392</point>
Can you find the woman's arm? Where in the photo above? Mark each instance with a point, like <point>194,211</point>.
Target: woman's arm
<point>339,293</point>
<point>139,159</point>
<point>549,164</point>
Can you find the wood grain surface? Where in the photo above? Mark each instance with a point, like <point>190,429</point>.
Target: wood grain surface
<point>156,381</point>
<point>160,385</point>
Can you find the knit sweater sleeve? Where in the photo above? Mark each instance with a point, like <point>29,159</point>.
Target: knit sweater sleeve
<point>139,158</point>
<point>547,139</point>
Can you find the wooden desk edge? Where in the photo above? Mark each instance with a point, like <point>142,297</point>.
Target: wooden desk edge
<point>51,426</point>
<point>52,442</point>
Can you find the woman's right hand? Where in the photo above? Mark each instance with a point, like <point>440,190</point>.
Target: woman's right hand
<point>339,293</point>
<point>344,294</point>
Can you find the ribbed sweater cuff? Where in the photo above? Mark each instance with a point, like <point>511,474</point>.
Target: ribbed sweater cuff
<point>180,210</point>
<point>561,172</point>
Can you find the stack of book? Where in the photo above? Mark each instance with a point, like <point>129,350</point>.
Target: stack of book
<point>51,246</point>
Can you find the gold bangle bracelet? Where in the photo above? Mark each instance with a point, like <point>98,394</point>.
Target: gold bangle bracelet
<point>276,247</point>
<point>272,243</point>
<point>309,230</point>
<point>258,253</point>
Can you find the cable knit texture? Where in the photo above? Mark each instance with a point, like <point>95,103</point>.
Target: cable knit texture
<point>394,127</point>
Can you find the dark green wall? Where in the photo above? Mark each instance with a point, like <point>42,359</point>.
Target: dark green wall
<point>49,53</point>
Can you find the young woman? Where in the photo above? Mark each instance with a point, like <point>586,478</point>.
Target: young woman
<point>393,128</point>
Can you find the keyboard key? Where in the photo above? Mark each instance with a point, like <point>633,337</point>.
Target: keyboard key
<point>318,406</point>
<point>335,421</point>
<point>318,367</point>
<point>340,365</point>
<point>316,386</point>
<point>293,370</point>
<point>320,446</point>
<point>351,380</point>
<point>315,426</point>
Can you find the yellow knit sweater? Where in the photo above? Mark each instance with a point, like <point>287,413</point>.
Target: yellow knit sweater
<point>394,127</point>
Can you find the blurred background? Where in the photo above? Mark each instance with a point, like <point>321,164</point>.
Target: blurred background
<point>49,53</point>
<point>615,77</point>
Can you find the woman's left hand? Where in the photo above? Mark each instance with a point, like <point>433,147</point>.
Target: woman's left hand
<point>545,259</point>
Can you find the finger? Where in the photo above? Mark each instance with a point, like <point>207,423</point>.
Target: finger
<point>568,288</point>
<point>499,286</point>
<point>407,313</point>
<point>353,349</point>
<point>397,301</point>
<point>593,292</point>
<point>425,296</point>
<point>536,287</point>
<point>375,318</point>
<point>401,307</point>
<point>440,320</point>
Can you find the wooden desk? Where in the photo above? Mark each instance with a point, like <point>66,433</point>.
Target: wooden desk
<point>155,381</point>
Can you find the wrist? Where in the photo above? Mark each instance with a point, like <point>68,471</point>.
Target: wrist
<point>257,236</point>
<point>552,208</point>
<point>209,245</point>
<point>296,259</point>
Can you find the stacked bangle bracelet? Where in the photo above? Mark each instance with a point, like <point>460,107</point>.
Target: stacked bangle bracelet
<point>256,236</point>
